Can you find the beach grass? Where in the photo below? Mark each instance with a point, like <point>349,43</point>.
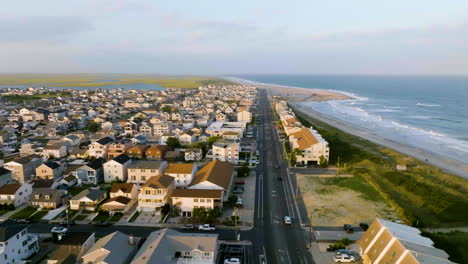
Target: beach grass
<point>423,195</point>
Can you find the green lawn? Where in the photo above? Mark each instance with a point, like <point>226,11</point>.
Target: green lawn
<point>116,217</point>
<point>423,195</point>
<point>356,183</point>
<point>74,190</point>
<point>454,243</point>
<point>24,213</point>
<point>2,212</point>
<point>101,217</point>
<point>81,217</point>
<point>134,217</point>
<point>37,216</point>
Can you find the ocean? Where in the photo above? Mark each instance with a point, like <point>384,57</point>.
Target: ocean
<point>427,112</point>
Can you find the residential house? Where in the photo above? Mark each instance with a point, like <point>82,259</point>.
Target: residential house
<point>188,199</point>
<point>27,149</point>
<point>193,154</point>
<point>122,197</point>
<point>174,155</point>
<point>156,152</point>
<point>146,129</point>
<point>244,115</point>
<point>5,176</point>
<point>221,117</point>
<point>182,173</point>
<point>55,150</point>
<point>16,194</point>
<point>71,247</point>
<point>140,171</point>
<point>311,145</point>
<point>23,168</point>
<point>115,248</point>
<point>91,173</point>
<point>187,138</point>
<point>99,148</point>
<point>137,151</point>
<point>389,242</point>
<point>74,140</point>
<point>16,244</point>
<point>119,147</point>
<point>47,198</point>
<point>8,140</point>
<point>215,175</point>
<point>87,199</point>
<point>162,128</point>
<point>50,170</point>
<point>116,169</point>
<point>170,246</point>
<point>155,193</point>
<point>227,151</point>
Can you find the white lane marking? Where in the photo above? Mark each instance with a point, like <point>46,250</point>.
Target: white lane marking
<point>287,254</point>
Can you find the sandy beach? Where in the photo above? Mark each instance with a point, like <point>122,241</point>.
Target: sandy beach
<point>298,94</point>
<point>441,162</point>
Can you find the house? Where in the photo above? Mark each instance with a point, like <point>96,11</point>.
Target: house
<point>187,138</point>
<point>170,246</point>
<point>74,140</point>
<point>116,169</point>
<point>115,248</point>
<point>146,129</point>
<point>27,149</point>
<point>156,152</point>
<point>68,181</point>
<point>71,247</point>
<point>221,117</point>
<point>87,199</point>
<point>50,170</point>
<point>55,150</point>
<point>193,154</point>
<point>226,151</point>
<point>181,172</point>
<point>312,146</point>
<point>389,242</point>
<point>23,168</point>
<point>188,199</point>
<point>91,173</point>
<point>215,175</point>
<point>162,128</point>
<point>99,148</point>
<point>243,115</point>
<point>5,176</point>
<point>174,155</point>
<point>137,152</point>
<point>140,171</point>
<point>47,198</point>
<point>119,147</point>
<point>122,197</point>
<point>16,194</point>
<point>155,193</point>
<point>16,244</point>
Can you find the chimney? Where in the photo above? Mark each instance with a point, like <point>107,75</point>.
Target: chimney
<point>131,240</point>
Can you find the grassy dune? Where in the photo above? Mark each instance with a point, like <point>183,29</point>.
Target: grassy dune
<point>423,195</point>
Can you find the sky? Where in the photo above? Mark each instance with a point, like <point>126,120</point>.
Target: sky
<point>235,37</point>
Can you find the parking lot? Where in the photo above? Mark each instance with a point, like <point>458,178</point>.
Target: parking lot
<point>246,211</point>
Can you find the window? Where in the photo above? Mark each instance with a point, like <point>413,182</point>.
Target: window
<point>147,192</point>
<point>195,200</point>
<point>208,200</point>
<point>202,200</point>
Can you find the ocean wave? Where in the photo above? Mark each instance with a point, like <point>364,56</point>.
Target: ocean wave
<point>395,107</point>
<point>386,111</point>
<point>458,148</point>
<point>428,105</point>
<point>352,95</point>
<point>419,117</point>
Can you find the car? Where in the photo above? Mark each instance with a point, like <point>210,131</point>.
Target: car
<point>188,227</point>
<point>348,228</point>
<point>59,230</point>
<point>257,162</point>
<point>364,226</point>
<point>239,201</point>
<point>238,189</point>
<point>343,251</point>
<point>232,261</point>
<point>207,227</point>
<point>240,182</point>
<point>287,220</point>
<point>343,258</point>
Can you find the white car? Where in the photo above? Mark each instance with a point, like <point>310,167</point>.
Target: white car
<point>287,220</point>
<point>207,227</point>
<point>343,258</point>
<point>232,261</point>
<point>239,201</point>
<point>59,230</point>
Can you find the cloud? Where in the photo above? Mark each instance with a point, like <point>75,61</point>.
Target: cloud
<point>41,28</point>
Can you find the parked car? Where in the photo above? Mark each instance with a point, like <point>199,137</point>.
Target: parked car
<point>207,227</point>
<point>240,182</point>
<point>287,220</point>
<point>239,201</point>
<point>343,251</point>
<point>343,258</point>
<point>59,230</point>
<point>232,261</point>
<point>188,227</point>
<point>348,228</point>
<point>238,189</point>
<point>364,226</point>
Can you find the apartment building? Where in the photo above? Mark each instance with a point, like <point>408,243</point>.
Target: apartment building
<point>189,199</point>
<point>140,171</point>
<point>311,145</point>
<point>226,151</point>
<point>116,169</point>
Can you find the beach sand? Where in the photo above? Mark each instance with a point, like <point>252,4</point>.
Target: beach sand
<point>439,161</point>
<point>298,94</point>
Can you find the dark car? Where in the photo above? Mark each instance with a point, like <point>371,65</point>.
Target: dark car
<point>364,226</point>
<point>348,228</point>
<point>238,189</point>
<point>240,182</point>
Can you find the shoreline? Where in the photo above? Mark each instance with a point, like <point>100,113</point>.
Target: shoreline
<point>299,94</point>
<point>439,161</point>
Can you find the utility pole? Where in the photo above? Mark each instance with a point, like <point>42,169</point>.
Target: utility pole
<point>310,231</point>
<point>234,213</point>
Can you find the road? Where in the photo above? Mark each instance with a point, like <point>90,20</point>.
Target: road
<point>274,199</point>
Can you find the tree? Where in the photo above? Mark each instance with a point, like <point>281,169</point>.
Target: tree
<point>211,140</point>
<point>294,153</point>
<point>93,127</point>
<point>243,171</point>
<point>173,142</point>
<point>165,209</point>
<point>166,109</point>
<point>323,163</point>
<point>232,199</point>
